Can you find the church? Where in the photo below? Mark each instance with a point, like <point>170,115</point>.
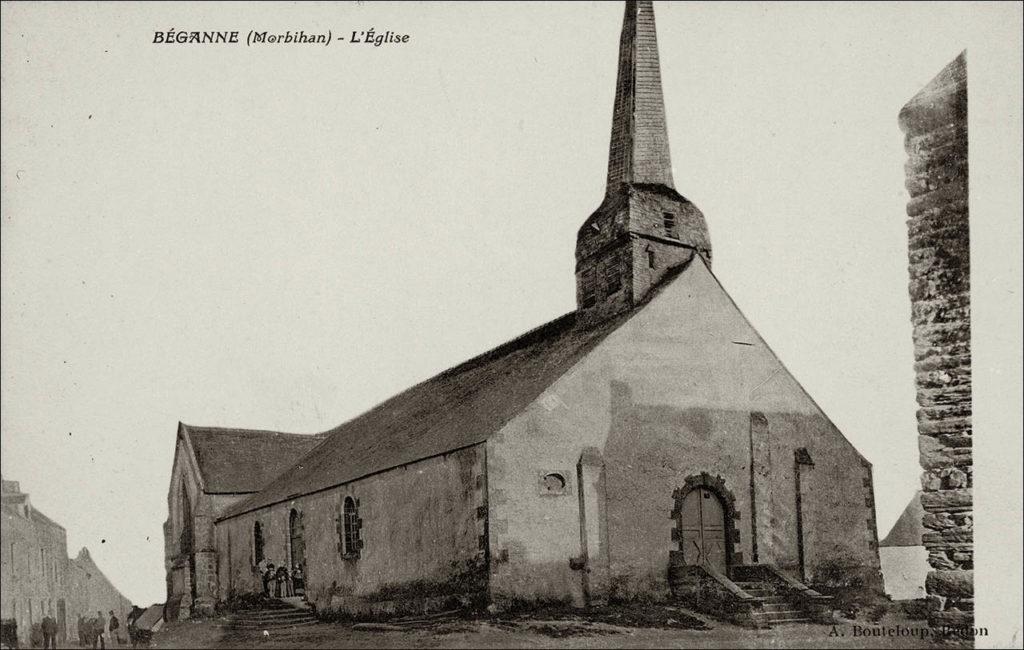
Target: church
<point>647,444</point>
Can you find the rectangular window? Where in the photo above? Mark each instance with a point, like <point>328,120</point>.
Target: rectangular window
<point>587,288</point>
<point>613,276</point>
<point>669,221</point>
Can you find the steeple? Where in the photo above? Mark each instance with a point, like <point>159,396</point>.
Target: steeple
<point>639,150</point>
<point>644,228</point>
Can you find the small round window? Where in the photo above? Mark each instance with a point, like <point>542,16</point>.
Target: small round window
<point>554,483</point>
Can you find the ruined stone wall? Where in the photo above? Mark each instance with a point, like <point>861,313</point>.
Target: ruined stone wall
<point>666,400</point>
<point>421,525</point>
<point>935,124</point>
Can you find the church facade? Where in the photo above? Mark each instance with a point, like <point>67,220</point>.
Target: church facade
<point>648,439</point>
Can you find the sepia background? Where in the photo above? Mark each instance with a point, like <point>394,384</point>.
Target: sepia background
<point>280,237</point>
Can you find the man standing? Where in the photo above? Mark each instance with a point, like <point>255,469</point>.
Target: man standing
<point>100,630</point>
<point>268,579</point>
<point>49,625</point>
<point>114,627</point>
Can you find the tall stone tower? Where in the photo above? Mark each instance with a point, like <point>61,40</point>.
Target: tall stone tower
<point>935,124</point>
<point>643,228</point>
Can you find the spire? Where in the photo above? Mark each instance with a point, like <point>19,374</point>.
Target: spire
<point>639,144</point>
<point>644,229</point>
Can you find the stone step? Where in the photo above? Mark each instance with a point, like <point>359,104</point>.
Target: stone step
<point>273,613</point>
<point>785,621</point>
<point>790,616</point>
<point>273,626</point>
<point>786,613</point>
<point>275,617</point>
<point>287,623</point>
<point>427,619</point>
<point>776,606</point>
<point>270,621</point>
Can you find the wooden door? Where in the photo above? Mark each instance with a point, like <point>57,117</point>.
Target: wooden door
<point>702,527</point>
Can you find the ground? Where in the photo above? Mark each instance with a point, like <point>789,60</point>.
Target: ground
<point>539,632</point>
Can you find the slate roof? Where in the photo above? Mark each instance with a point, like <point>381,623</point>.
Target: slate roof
<point>150,617</point>
<point>908,528</point>
<point>11,501</point>
<point>460,407</point>
<point>40,517</point>
<point>234,461</point>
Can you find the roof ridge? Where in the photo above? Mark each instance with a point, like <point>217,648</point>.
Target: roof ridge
<point>229,430</point>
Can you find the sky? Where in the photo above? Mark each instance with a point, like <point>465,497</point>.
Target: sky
<point>280,237</point>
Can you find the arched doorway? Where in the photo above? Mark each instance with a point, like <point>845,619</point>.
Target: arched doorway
<point>703,531</point>
<point>296,545</point>
<point>257,543</point>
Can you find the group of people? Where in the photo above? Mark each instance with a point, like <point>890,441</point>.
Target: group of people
<point>91,631</point>
<point>99,631</point>
<point>279,582</point>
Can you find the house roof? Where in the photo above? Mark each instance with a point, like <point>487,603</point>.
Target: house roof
<point>40,517</point>
<point>233,461</point>
<point>10,508</point>
<point>150,617</point>
<point>908,529</point>
<point>458,408</point>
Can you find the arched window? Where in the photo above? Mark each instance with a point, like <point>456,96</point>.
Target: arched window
<point>350,543</point>
<point>296,544</point>
<point>186,521</point>
<point>257,543</point>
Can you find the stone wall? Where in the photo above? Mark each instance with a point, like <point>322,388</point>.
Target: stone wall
<point>422,528</point>
<point>198,568</point>
<point>33,570</point>
<point>627,244</point>
<point>935,124</point>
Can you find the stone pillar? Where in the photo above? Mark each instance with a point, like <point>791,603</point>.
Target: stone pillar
<point>935,124</point>
<point>205,579</point>
<point>205,560</point>
<point>593,522</point>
